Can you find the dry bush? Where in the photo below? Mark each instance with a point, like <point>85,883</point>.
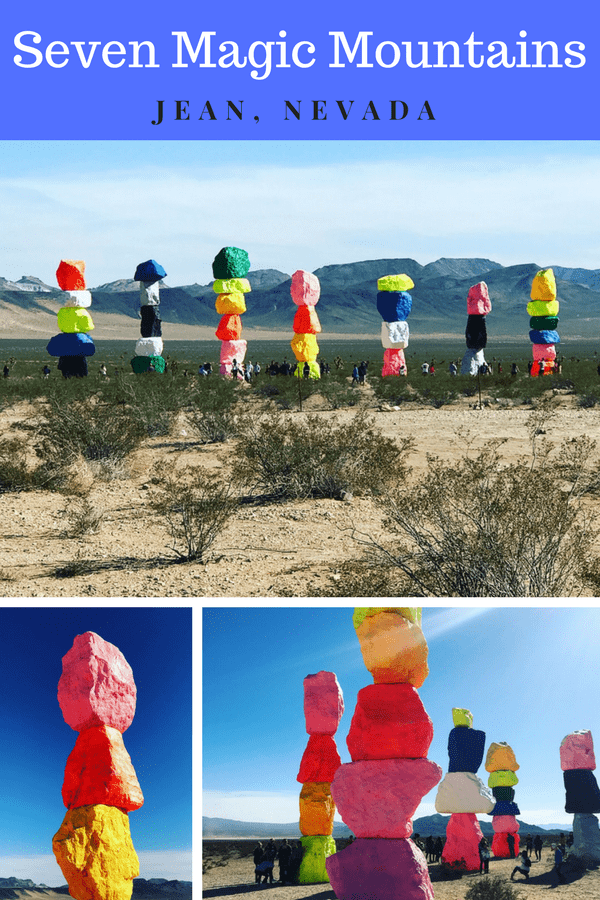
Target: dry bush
<point>494,888</point>
<point>82,517</point>
<point>213,426</point>
<point>15,472</point>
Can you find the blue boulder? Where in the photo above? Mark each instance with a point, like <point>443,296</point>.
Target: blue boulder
<point>394,306</point>
<point>544,337</point>
<point>149,271</point>
<point>465,749</point>
<point>505,808</point>
<point>76,344</point>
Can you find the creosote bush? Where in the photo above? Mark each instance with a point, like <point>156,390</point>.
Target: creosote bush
<point>495,888</point>
<point>15,472</point>
<point>89,429</point>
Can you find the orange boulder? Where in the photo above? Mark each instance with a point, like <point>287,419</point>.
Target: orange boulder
<point>394,649</point>
<point>317,808</point>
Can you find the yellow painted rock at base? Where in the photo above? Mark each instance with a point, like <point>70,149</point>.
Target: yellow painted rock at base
<point>501,756</point>
<point>462,718</point>
<point>94,851</point>
<point>305,347</point>
<point>503,778</point>
<point>543,308</point>
<point>314,369</point>
<point>317,808</point>
<point>230,304</point>
<point>412,613</point>
<point>74,319</point>
<point>394,649</point>
<point>543,286</point>
<point>231,285</point>
<point>395,283</point>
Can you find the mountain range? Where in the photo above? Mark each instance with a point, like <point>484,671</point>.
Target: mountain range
<point>142,887</point>
<point>348,299</point>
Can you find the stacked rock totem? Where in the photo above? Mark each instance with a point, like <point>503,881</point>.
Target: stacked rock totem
<point>500,762</point>
<point>323,708</point>
<point>463,794</point>
<point>578,762</point>
<point>73,345</point>
<point>394,304</point>
<point>305,291</point>
<point>478,306</point>
<point>148,350</point>
<point>378,793</point>
<point>93,847</point>
<point>230,267</point>
<point>543,310</point>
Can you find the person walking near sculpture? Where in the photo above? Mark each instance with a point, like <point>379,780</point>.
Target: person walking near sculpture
<point>529,845</point>
<point>558,861</point>
<point>258,858</point>
<point>284,856</point>
<point>484,857</point>
<point>511,845</point>
<point>538,843</point>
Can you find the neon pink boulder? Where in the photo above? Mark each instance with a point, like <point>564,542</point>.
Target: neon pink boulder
<point>231,350</point>
<point>323,703</point>
<point>320,760</point>
<point>461,849</point>
<point>305,289</point>
<point>379,869</point>
<point>389,721</point>
<point>478,300</point>
<point>577,751</point>
<point>96,686</point>
<point>506,824</point>
<point>543,351</point>
<point>394,363</point>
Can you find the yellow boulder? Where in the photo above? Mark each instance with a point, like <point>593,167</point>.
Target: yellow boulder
<point>543,286</point>
<point>543,308</point>
<point>462,718</point>
<point>232,304</point>
<point>395,283</point>
<point>394,649</point>
<point>317,808</point>
<point>305,347</point>
<point>74,319</point>
<point>501,756</point>
<point>503,778</point>
<point>231,286</point>
<point>412,613</point>
<point>94,851</point>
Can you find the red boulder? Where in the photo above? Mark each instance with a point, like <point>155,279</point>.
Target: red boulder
<point>320,760</point>
<point>99,771</point>
<point>389,722</point>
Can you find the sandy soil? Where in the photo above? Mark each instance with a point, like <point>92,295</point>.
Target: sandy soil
<point>291,549</point>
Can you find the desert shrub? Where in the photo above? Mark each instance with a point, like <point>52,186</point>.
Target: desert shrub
<point>587,401</point>
<point>81,517</point>
<point>213,426</point>
<point>196,507</point>
<point>283,459</point>
<point>338,393</point>
<point>15,472</point>
<point>494,888</point>
<point>88,429</point>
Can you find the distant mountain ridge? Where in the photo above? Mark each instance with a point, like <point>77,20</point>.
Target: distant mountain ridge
<point>159,887</point>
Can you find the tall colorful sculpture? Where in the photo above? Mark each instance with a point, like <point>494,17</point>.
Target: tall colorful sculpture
<point>577,760</point>
<point>73,345</point>
<point>378,793</point>
<point>463,794</point>
<point>230,267</point>
<point>478,306</point>
<point>305,291</point>
<point>149,349</point>
<point>323,709</point>
<point>502,765</point>
<point>93,847</point>
<point>394,304</point>
<point>543,310</point>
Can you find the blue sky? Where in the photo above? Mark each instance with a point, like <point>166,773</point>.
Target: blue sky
<point>529,675</point>
<point>301,204</point>
<point>157,643</point>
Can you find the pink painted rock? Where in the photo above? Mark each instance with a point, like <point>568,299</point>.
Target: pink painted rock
<point>99,770</point>
<point>378,798</point>
<point>379,869</point>
<point>96,686</point>
<point>320,760</point>
<point>463,792</point>
<point>231,350</point>
<point>505,824</point>
<point>577,751</point>
<point>389,721</point>
<point>305,289</point>
<point>461,849</point>
<point>500,847</point>
<point>323,703</point>
<point>394,363</point>
<point>478,300</point>
<point>543,351</point>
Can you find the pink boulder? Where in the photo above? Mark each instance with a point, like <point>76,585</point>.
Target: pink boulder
<point>96,686</point>
<point>478,300</point>
<point>305,289</point>
<point>320,760</point>
<point>507,824</point>
<point>99,770</point>
<point>389,721</point>
<point>394,363</point>
<point>500,847</point>
<point>323,703</point>
<point>543,351</point>
<point>577,751</point>
<point>231,350</point>
<point>379,869</point>
<point>378,798</point>
<point>461,849</point>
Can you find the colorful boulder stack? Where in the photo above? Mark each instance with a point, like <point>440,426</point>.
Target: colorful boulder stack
<point>323,709</point>
<point>378,793</point>
<point>478,306</point>
<point>148,350</point>
<point>230,267</point>
<point>463,794</point>
<point>543,310</point>
<point>73,345</point>
<point>394,304</point>
<point>93,847</point>
<point>577,760</point>
<point>305,291</point>
<point>500,762</point>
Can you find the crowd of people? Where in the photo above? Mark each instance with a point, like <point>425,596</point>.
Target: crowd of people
<point>288,855</point>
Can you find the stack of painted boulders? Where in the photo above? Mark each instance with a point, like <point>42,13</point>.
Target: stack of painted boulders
<point>305,291</point>
<point>230,267</point>
<point>378,793</point>
<point>478,306</point>
<point>394,304</point>
<point>323,708</point>
<point>73,345</point>
<point>463,794</point>
<point>148,350</point>
<point>93,847</point>
<point>577,760</point>
<point>500,762</point>
<point>543,310</point>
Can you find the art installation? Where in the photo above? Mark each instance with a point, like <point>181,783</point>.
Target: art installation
<point>230,267</point>
<point>148,350</point>
<point>478,306</point>
<point>463,794</point>
<point>394,304</point>
<point>305,291</point>
<point>73,345</point>
<point>378,793</point>
<point>500,762</point>
<point>93,847</point>
<point>543,310</point>
<point>323,709</point>
<point>577,760</point>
